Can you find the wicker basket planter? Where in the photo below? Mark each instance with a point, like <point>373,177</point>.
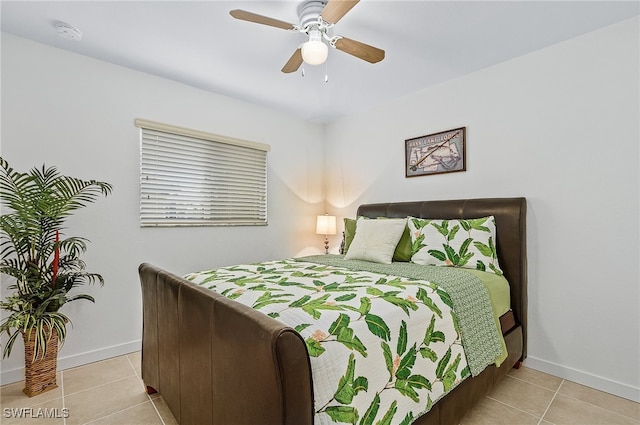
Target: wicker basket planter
<point>40,375</point>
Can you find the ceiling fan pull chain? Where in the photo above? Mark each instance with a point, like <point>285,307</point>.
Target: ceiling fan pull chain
<point>303,70</point>
<point>326,72</point>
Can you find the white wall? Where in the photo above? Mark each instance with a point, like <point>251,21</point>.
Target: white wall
<point>559,126</point>
<point>78,114</point>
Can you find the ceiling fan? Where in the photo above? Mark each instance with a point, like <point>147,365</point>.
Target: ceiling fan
<point>316,18</point>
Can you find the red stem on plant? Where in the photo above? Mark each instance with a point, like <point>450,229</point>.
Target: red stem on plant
<point>56,258</point>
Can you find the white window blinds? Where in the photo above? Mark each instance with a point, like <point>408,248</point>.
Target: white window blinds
<point>191,178</point>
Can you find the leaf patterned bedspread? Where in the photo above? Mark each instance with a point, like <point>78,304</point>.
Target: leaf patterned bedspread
<point>385,342</point>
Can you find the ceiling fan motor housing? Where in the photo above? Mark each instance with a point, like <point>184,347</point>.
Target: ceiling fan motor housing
<point>309,11</point>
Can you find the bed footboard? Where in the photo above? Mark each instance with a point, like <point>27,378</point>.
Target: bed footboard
<point>215,361</point>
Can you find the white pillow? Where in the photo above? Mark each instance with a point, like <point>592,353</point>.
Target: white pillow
<point>376,240</point>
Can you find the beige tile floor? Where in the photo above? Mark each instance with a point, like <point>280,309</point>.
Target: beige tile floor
<point>112,392</point>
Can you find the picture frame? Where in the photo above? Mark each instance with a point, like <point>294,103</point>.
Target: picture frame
<point>437,153</point>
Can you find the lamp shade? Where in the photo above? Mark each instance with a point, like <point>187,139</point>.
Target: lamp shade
<point>326,225</point>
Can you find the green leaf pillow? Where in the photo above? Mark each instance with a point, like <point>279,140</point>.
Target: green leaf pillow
<point>466,243</point>
<point>402,251</point>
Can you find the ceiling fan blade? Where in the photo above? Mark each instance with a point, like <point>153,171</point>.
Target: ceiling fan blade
<point>360,50</point>
<point>294,62</point>
<point>259,19</point>
<point>336,9</point>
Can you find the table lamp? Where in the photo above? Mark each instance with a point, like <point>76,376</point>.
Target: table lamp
<point>326,225</point>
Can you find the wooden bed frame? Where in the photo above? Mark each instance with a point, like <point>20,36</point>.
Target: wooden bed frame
<point>215,361</point>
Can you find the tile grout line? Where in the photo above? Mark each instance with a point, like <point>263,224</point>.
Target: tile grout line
<point>144,388</point>
<point>551,402</point>
<point>512,407</point>
<point>541,418</point>
<point>156,409</point>
<point>571,397</point>
<point>576,398</point>
<point>100,385</point>
<point>122,410</point>
<point>64,417</point>
<point>534,384</point>
<point>114,413</point>
<point>615,412</point>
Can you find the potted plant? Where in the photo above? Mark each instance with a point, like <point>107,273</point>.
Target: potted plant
<point>45,264</point>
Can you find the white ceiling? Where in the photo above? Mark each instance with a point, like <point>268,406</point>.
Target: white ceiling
<point>198,43</point>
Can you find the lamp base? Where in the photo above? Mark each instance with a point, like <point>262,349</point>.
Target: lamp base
<point>326,245</point>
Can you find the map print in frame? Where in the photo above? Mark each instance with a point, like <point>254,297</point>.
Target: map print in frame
<point>435,153</point>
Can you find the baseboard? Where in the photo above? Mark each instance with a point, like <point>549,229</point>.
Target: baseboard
<point>67,362</point>
<point>585,378</point>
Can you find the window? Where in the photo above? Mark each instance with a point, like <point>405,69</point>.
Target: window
<point>191,178</point>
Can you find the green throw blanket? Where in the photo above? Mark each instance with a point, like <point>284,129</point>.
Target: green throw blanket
<point>481,337</point>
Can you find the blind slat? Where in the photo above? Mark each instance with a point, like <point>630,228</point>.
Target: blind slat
<point>190,181</point>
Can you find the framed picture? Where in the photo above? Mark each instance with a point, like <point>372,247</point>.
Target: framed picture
<point>435,153</point>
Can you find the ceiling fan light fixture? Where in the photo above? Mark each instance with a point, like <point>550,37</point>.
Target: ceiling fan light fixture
<point>314,52</point>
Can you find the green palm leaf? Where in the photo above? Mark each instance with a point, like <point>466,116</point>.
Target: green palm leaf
<point>377,326</point>
<point>342,414</point>
<point>39,203</point>
<point>391,412</point>
<point>370,415</point>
